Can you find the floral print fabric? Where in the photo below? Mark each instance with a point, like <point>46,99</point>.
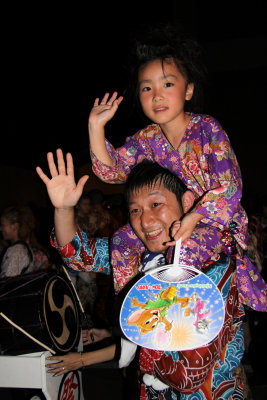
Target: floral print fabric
<point>206,163</point>
<point>224,353</point>
<point>206,372</point>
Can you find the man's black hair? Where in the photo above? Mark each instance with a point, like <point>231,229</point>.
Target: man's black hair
<point>148,173</point>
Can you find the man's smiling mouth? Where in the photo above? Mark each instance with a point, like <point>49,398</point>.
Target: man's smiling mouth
<point>153,234</point>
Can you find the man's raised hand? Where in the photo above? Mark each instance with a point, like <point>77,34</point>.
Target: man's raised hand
<point>61,188</point>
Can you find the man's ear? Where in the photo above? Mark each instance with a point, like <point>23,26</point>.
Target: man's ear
<point>189,91</point>
<point>188,200</point>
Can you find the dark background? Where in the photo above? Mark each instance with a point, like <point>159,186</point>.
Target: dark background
<point>58,58</point>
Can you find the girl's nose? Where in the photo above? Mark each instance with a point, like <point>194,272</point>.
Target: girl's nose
<point>157,94</point>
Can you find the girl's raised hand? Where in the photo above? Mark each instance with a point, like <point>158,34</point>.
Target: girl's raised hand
<point>61,188</point>
<point>102,112</point>
<point>184,228</point>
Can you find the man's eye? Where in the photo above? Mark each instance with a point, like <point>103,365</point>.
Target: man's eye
<point>134,211</point>
<point>156,204</point>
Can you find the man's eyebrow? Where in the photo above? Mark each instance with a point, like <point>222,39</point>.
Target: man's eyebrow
<point>154,193</point>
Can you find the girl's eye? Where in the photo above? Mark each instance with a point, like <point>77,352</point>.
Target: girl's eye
<point>145,89</point>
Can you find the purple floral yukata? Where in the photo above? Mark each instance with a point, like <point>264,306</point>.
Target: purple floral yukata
<point>206,163</point>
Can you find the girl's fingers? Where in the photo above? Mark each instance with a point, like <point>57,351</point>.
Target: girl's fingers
<point>173,243</point>
<point>61,162</point>
<point>107,101</point>
<point>120,100</point>
<point>104,100</point>
<point>113,98</point>
<point>96,102</point>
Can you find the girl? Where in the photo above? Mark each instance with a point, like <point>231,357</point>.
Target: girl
<point>193,146</point>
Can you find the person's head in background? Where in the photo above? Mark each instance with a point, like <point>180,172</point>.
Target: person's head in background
<point>83,206</point>
<point>156,199</point>
<point>18,223</point>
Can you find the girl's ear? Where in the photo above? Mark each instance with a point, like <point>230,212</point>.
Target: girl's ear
<point>189,91</point>
<point>188,200</point>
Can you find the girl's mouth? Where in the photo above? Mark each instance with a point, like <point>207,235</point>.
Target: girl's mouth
<point>159,109</point>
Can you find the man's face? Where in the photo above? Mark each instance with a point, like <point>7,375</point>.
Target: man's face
<point>152,212</point>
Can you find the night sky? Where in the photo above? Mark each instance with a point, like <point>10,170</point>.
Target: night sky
<point>58,59</point>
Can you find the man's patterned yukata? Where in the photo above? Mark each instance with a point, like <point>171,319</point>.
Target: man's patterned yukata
<point>205,373</point>
<point>206,163</point>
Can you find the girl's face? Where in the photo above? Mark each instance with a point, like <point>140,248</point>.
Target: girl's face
<point>163,91</point>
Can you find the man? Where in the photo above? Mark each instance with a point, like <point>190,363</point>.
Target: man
<point>157,202</point>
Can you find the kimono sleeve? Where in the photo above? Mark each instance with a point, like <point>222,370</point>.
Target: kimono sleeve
<point>220,202</point>
<point>84,254</point>
<point>125,158</point>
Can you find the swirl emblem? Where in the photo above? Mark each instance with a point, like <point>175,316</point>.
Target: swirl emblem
<point>61,314</point>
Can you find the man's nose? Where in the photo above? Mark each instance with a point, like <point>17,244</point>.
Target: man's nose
<point>147,218</point>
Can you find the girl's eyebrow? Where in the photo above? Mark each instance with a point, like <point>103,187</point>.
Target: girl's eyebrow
<point>162,78</point>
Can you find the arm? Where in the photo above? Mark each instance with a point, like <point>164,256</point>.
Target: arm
<point>99,116</point>
<point>64,195</point>
<point>221,176</point>
<point>210,169</point>
<point>136,149</point>
<point>83,253</point>
<point>77,250</point>
<point>73,361</point>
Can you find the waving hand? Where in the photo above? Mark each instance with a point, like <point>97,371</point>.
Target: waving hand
<point>61,188</point>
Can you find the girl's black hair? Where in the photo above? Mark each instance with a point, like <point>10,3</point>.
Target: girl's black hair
<point>149,174</point>
<point>165,42</point>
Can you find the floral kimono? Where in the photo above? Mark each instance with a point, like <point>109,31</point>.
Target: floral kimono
<point>206,163</point>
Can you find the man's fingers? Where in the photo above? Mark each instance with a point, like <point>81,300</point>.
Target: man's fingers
<point>61,162</point>
<point>42,175</point>
<point>70,168</point>
<point>82,182</point>
<point>51,165</point>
